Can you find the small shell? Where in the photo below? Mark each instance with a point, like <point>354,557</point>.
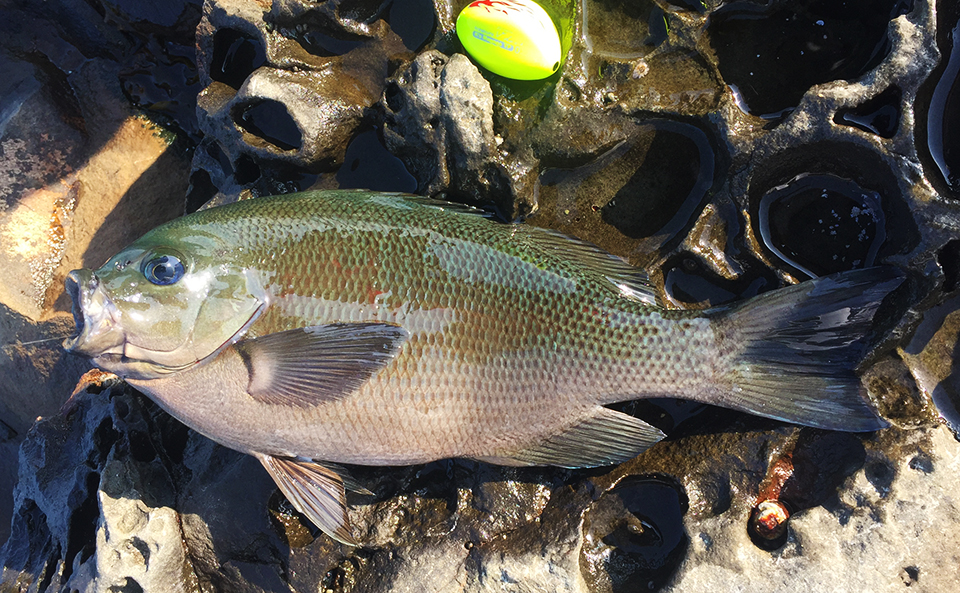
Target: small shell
<point>768,523</point>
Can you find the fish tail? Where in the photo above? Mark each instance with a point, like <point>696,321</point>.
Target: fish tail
<point>791,354</point>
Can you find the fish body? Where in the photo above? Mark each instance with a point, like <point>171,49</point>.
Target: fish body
<point>364,328</point>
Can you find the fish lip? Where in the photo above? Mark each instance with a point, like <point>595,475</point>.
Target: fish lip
<point>72,287</point>
<point>97,334</point>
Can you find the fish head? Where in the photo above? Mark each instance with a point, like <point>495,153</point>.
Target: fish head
<point>164,304</point>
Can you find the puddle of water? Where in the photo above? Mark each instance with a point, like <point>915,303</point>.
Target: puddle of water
<point>690,281</point>
<point>414,21</point>
<point>162,78</point>
<point>633,535</point>
<point>648,188</point>
<point>880,115</point>
<point>821,224</point>
<point>321,43</point>
<point>770,57</point>
<point>604,32</point>
<point>943,118</point>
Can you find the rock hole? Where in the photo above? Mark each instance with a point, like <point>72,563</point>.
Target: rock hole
<point>949,259</point>
<point>603,28</point>
<point>634,534</point>
<point>667,188</point>
<point>82,532</point>
<point>771,56</point>
<point>821,224</point>
<point>144,549</point>
<point>880,115</point>
<point>910,575</point>
<point>939,105</point>
<point>328,43</point>
<point>657,28</point>
<point>393,97</point>
<point>768,524</point>
<point>688,280</point>
<point>200,191</point>
<point>174,438</point>
<point>270,121</point>
<point>369,165</point>
<point>247,170</point>
<point>105,436</point>
<point>216,152</point>
<point>335,579</point>
<point>922,463</point>
<point>414,21</point>
<point>235,56</point>
<point>141,447</point>
<point>881,475</point>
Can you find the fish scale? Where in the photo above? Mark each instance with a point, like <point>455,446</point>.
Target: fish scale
<point>382,329</point>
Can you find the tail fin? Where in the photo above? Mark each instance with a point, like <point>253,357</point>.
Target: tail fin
<point>790,354</point>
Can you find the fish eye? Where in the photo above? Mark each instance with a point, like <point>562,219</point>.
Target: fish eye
<point>163,270</point>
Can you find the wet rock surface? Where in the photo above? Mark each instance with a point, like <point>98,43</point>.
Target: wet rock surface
<point>726,148</point>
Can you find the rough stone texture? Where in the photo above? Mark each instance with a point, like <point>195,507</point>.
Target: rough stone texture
<point>439,121</point>
<point>638,145</point>
<point>867,537</point>
<point>319,98</point>
<point>81,175</point>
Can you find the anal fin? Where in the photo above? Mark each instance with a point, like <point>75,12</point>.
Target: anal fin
<point>314,490</point>
<point>605,437</point>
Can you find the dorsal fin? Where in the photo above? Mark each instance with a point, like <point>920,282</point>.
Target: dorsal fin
<point>633,283</point>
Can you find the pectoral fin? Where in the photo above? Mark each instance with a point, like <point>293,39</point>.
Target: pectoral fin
<point>605,437</point>
<point>314,490</point>
<point>311,365</point>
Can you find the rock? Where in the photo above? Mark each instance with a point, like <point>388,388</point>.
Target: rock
<point>81,174</point>
<point>858,533</point>
<point>439,122</point>
<point>931,357</point>
<point>284,90</point>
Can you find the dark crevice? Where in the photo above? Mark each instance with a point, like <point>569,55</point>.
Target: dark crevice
<point>949,259</point>
<point>880,115</point>
<point>82,534</point>
<point>270,121</point>
<point>247,170</point>
<point>200,191</point>
<point>235,56</point>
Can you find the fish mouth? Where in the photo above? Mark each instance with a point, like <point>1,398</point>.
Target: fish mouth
<point>97,333</point>
<point>73,290</point>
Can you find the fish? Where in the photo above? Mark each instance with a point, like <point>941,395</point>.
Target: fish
<point>344,327</point>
